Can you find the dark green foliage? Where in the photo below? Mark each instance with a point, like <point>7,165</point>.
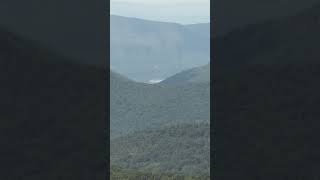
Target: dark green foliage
<point>161,128</point>
<point>182,148</point>
<point>52,114</point>
<point>138,106</point>
<point>121,174</point>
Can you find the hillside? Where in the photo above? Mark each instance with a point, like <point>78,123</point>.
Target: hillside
<point>51,112</point>
<point>156,50</point>
<point>195,75</point>
<point>138,106</point>
<point>179,149</point>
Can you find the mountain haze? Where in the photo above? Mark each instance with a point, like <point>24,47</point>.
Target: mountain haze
<point>159,130</point>
<point>145,50</point>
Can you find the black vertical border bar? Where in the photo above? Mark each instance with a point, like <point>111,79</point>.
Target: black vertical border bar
<point>101,17</point>
<point>212,121</point>
<point>107,36</point>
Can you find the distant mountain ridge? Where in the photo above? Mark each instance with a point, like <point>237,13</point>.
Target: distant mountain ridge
<point>156,50</point>
<point>195,75</point>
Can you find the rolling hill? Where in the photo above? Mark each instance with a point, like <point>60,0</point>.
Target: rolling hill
<point>52,114</point>
<point>195,75</point>
<point>156,50</point>
<point>137,106</point>
<point>161,128</point>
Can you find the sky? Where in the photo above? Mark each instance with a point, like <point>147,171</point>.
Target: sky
<point>178,11</point>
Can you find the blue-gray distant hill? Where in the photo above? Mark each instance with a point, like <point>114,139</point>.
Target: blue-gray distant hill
<point>146,50</point>
<point>195,75</point>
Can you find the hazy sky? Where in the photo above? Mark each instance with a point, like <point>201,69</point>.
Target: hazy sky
<point>180,11</point>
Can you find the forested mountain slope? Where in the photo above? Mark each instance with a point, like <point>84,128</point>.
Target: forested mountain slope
<point>138,106</point>
<point>180,149</point>
<point>121,174</point>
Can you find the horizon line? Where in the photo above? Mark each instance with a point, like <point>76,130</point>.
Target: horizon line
<point>154,20</point>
